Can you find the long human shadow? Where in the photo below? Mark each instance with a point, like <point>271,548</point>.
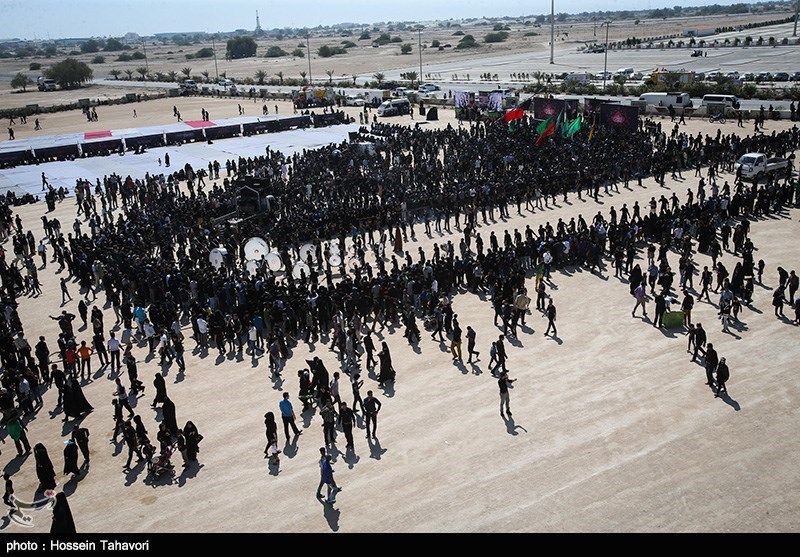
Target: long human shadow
<point>331,515</point>
<point>729,401</point>
<point>375,449</point>
<point>190,471</point>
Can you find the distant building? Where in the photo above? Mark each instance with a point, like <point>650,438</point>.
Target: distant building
<point>702,31</point>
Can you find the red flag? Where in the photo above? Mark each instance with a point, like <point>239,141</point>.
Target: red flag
<point>549,130</point>
<point>513,114</point>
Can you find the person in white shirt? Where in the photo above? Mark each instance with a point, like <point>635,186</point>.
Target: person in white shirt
<point>114,348</point>
<point>202,331</point>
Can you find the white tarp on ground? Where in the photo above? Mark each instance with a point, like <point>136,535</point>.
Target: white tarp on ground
<point>28,178</point>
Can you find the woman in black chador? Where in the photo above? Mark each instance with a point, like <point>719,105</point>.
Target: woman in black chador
<point>44,468</point>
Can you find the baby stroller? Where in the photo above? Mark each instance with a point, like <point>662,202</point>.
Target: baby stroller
<point>160,465</point>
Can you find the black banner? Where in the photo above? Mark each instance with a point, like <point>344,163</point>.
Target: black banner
<point>156,140</point>
<point>62,151</point>
<point>222,132</point>
<point>13,158</point>
<point>185,136</point>
<point>101,147</point>
<point>619,116</point>
<point>545,108</point>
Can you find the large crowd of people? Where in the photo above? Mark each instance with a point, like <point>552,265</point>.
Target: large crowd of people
<point>142,245</point>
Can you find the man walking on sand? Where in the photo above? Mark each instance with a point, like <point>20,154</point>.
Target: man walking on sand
<point>504,382</point>
<point>287,414</point>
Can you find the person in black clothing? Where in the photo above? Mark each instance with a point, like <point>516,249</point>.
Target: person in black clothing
<point>347,419</point>
<point>80,435</point>
<point>369,348</point>
<point>500,354</point>
<point>551,318</point>
<point>471,345</point>
<point>44,468</point>
<point>272,435</point>
<point>699,341</point>
<point>63,522</point>
<point>161,389</point>
<point>723,374</point>
<point>661,308</point>
<point>711,364</point>
<point>371,408</point>
<point>129,434</point>
<point>57,377</point>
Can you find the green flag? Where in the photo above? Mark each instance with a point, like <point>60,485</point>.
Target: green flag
<point>573,127</point>
<point>543,126</point>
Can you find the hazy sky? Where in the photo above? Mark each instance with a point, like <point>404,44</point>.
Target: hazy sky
<point>42,19</point>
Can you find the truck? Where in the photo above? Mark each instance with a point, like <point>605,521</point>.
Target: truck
<point>758,165</point>
<point>46,84</point>
<point>665,100</point>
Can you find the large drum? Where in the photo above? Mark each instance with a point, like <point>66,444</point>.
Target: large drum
<point>305,250</point>
<point>254,248</point>
<point>274,261</point>
<point>335,260</point>
<point>217,257</point>
<point>299,269</point>
<point>252,267</point>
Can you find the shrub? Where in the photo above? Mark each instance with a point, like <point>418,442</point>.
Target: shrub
<point>497,37</point>
<point>34,66</point>
<point>326,51</point>
<point>405,48</point>
<point>204,53</point>
<point>348,44</point>
<point>298,53</point>
<point>124,57</point>
<point>364,36</point>
<point>467,41</point>
<point>457,33</point>
<point>99,60</point>
<point>276,52</point>
<point>435,43</point>
<point>397,40</point>
<point>530,34</point>
<point>137,55</point>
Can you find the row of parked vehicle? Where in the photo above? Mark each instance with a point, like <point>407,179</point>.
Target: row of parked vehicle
<point>760,77</point>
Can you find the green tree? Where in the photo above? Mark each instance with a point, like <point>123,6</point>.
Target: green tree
<point>206,52</point>
<point>34,66</point>
<point>379,77</point>
<point>69,73</point>
<point>90,46</point>
<point>405,48</point>
<point>260,76</point>
<point>303,77</point>
<point>172,75</point>
<point>412,77</point>
<point>142,71</point>
<point>99,59</point>
<point>364,36</point>
<point>240,47</point>
<point>129,73</point>
<point>205,76</point>
<point>467,41</point>
<point>113,45</point>
<point>276,52</point>
<point>21,81</point>
<point>298,53</point>
<point>330,76</point>
<point>497,37</point>
<point>435,43</point>
<point>114,73</point>
<point>187,71</point>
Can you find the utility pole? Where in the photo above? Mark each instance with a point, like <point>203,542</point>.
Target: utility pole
<point>308,51</point>
<point>419,35</point>
<point>214,49</point>
<point>605,61</point>
<point>144,51</point>
<point>796,12</point>
<point>552,28</point>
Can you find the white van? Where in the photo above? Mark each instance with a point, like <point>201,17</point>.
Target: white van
<point>730,101</point>
<point>394,107</point>
<point>677,100</point>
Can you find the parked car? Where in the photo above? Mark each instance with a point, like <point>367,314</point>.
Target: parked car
<point>749,76</point>
<point>795,76</point>
<point>354,100</point>
<point>713,75</point>
<point>781,76</point>
<point>699,76</point>
<point>225,83</point>
<point>429,87</point>
<point>764,76</point>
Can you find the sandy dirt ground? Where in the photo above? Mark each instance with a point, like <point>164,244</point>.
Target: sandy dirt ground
<point>613,429</point>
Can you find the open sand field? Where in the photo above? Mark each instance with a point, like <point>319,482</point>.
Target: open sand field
<point>613,429</point>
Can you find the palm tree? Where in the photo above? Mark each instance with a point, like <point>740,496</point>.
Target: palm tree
<point>354,80</point>
<point>187,72</point>
<point>129,73</point>
<point>330,76</point>
<point>303,77</point>
<point>142,71</point>
<point>379,77</point>
<point>412,77</point>
<point>114,73</point>
<point>205,76</point>
<point>260,76</point>
<point>172,75</point>
<point>159,76</point>
<point>280,77</point>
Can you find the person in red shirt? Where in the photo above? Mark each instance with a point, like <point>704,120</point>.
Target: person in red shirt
<point>70,357</point>
<point>85,354</point>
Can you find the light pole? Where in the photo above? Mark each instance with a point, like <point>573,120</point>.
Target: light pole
<point>214,49</point>
<point>144,51</point>
<point>605,61</point>
<point>308,51</point>
<point>419,36</point>
<point>796,12</point>
<point>552,28</point>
